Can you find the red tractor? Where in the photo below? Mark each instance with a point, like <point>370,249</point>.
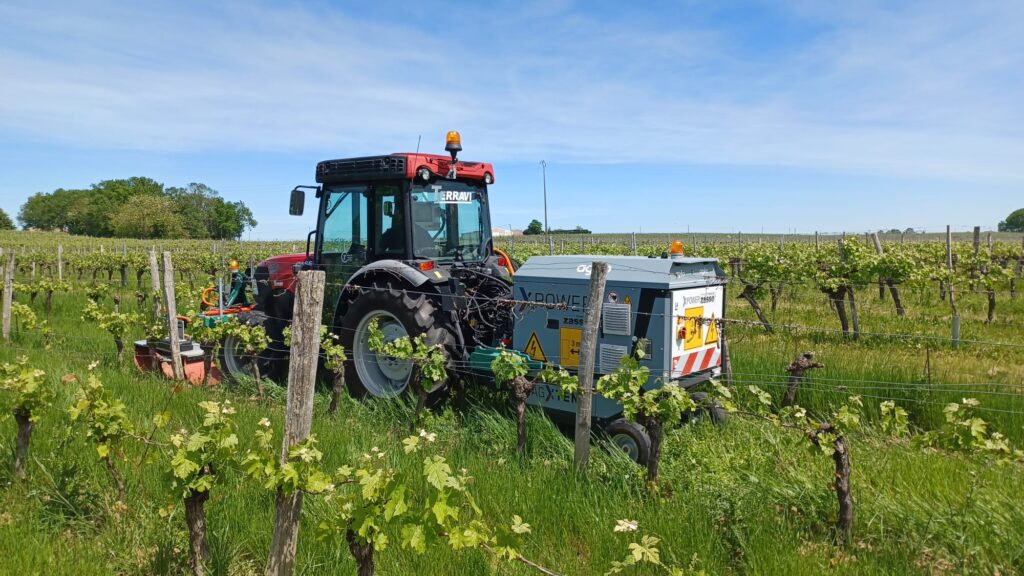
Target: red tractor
<point>405,240</point>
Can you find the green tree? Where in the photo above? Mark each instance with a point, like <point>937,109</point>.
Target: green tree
<point>535,227</point>
<point>1014,222</point>
<point>60,210</point>
<point>230,219</point>
<point>207,215</point>
<point>5,221</point>
<point>108,197</point>
<point>146,216</point>
<point>194,204</point>
<point>138,207</point>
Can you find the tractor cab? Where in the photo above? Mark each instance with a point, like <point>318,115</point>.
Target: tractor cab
<point>405,240</point>
<point>423,210</point>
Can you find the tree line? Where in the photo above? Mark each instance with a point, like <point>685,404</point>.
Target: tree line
<point>137,207</point>
<point>535,227</point>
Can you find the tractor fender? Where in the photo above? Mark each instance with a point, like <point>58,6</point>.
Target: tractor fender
<point>412,276</point>
<point>389,270</point>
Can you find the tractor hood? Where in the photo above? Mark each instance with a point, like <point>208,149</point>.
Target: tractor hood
<point>281,270</point>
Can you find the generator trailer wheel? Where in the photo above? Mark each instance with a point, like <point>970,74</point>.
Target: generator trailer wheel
<point>630,438</point>
<point>710,409</point>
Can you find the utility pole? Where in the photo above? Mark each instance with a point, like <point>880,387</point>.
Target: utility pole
<point>547,231</point>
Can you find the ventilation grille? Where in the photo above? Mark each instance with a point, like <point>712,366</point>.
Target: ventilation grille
<point>352,169</point>
<point>611,357</point>
<point>615,319</point>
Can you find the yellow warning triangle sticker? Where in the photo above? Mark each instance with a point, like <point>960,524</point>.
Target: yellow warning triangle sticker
<point>533,349</point>
<point>712,332</point>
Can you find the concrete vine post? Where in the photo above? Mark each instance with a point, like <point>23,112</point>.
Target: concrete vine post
<point>305,352</point>
<point>588,351</point>
<point>172,318</point>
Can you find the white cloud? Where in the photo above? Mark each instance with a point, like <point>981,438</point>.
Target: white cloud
<point>921,90</point>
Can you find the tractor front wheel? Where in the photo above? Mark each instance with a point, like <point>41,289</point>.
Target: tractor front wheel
<point>234,361</point>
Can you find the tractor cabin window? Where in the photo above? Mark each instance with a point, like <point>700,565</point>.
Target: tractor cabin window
<point>389,223</point>
<point>345,219</point>
<point>448,220</point>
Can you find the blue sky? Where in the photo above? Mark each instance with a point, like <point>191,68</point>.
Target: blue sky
<point>654,116</point>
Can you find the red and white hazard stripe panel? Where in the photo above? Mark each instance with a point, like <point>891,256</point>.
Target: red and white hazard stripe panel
<point>696,361</point>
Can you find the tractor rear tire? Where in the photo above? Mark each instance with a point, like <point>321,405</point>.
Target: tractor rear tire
<point>398,313</point>
<point>630,438</point>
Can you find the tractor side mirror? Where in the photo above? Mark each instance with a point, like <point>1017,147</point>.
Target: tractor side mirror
<point>389,208</point>
<point>297,204</point>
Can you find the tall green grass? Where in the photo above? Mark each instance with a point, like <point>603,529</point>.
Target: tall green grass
<point>746,498</point>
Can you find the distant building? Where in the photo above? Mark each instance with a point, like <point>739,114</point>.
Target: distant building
<point>499,232</point>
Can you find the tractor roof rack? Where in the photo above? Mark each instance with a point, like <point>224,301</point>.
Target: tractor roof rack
<point>360,169</point>
<point>398,167</point>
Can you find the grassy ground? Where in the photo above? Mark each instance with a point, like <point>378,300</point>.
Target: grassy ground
<point>746,498</point>
<point>907,359</point>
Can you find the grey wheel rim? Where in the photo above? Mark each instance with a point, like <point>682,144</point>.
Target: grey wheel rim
<point>382,376</point>
<point>628,445</point>
<point>235,362</point>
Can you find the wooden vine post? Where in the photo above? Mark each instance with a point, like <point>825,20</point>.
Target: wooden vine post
<point>8,295</point>
<point>60,263</point>
<point>976,244</point>
<point>305,351</point>
<point>726,358</point>
<point>588,350</point>
<point>952,297</point>
<point>172,318</point>
<point>854,320</point>
<point>1017,271</point>
<point>154,277</point>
